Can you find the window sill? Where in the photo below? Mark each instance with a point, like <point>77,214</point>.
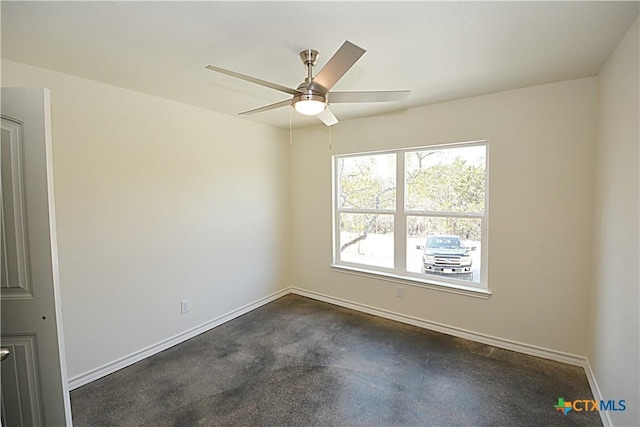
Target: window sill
<point>414,281</point>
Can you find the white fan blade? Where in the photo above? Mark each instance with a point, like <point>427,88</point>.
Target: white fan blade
<point>268,107</point>
<point>337,66</point>
<point>253,80</point>
<point>327,117</point>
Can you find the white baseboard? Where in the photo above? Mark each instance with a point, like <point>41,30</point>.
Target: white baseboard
<point>519,347</point>
<point>597,395</point>
<point>139,355</point>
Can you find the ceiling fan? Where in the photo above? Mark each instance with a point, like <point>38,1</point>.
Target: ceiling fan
<point>313,95</point>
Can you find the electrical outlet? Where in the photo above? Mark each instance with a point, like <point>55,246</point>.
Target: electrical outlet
<point>400,292</point>
<point>184,306</point>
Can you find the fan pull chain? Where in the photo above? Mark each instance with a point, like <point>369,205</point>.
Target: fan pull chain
<point>290,132</point>
<point>330,139</point>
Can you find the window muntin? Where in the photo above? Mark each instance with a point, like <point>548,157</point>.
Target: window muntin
<point>430,193</point>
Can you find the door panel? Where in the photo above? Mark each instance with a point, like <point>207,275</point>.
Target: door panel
<point>14,281</point>
<point>21,381</point>
<point>34,379</point>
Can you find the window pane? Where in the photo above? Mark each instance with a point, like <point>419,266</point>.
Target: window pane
<point>448,180</point>
<point>367,182</point>
<point>367,239</point>
<point>444,247</point>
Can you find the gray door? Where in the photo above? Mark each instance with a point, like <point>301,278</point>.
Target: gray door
<point>34,378</point>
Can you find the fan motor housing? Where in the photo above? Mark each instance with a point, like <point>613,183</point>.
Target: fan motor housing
<point>310,95</point>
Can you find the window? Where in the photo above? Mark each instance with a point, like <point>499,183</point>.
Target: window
<point>417,214</point>
<point>367,204</point>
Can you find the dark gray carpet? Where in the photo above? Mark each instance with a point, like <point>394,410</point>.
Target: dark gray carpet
<point>300,362</point>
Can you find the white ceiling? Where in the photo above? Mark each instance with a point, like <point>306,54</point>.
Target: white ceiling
<point>438,50</point>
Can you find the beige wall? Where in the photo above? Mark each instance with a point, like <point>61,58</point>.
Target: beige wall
<point>613,351</point>
<point>157,202</point>
<point>541,156</point>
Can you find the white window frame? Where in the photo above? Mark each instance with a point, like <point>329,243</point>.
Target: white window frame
<point>399,273</point>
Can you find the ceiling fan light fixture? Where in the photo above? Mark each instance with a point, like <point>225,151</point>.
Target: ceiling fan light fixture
<point>310,108</point>
<point>310,104</point>
<point>310,97</point>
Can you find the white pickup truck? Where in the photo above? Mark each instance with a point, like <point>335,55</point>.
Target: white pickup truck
<point>447,255</point>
